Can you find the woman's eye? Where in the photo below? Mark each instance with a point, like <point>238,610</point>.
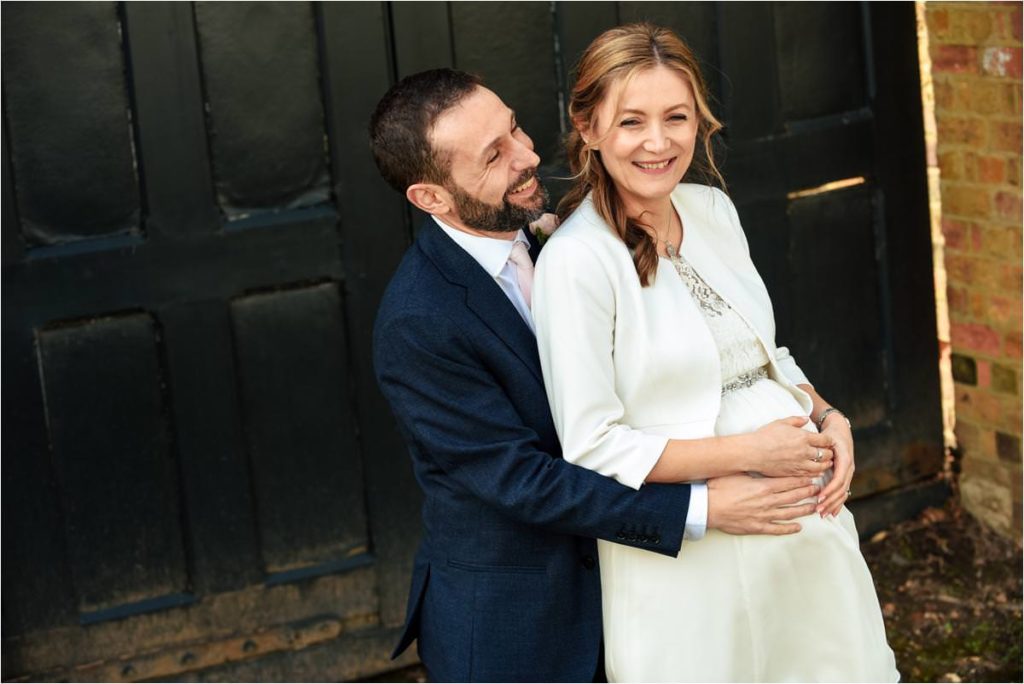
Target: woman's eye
<point>629,122</point>
<point>679,117</point>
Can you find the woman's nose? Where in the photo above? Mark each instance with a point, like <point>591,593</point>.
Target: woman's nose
<point>656,141</point>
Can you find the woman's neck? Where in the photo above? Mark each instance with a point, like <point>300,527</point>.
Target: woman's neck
<point>660,221</point>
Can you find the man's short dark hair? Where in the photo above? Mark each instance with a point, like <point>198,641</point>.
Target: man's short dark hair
<point>400,126</point>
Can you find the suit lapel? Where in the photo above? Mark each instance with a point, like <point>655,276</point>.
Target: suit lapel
<point>484,297</point>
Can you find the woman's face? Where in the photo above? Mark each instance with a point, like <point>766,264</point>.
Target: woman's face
<point>646,130</point>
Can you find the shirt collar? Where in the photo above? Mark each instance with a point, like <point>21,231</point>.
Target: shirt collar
<point>491,253</point>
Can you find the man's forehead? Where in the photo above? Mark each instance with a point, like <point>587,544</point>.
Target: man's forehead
<point>470,126</point>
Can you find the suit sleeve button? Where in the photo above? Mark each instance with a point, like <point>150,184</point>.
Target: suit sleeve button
<point>589,562</point>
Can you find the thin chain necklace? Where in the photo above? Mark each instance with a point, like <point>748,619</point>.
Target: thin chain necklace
<point>670,248</point>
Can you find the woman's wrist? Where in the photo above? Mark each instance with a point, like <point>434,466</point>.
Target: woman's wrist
<point>830,414</point>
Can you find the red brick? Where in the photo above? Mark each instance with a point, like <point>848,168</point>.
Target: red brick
<point>984,373</point>
<point>975,337</point>
<point>978,405</point>
<point>1008,205</point>
<point>975,441</point>
<point>957,300</point>
<point>1002,242</point>
<point>956,234</point>
<point>951,163</point>
<point>1001,61</point>
<point>985,96</point>
<point>958,130</point>
<point>1016,23</point>
<point>959,269</point>
<point>1013,347</point>
<point>1003,311</point>
<point>938,21</point>
<point>955,59</point>
<point>1003,135</point>
<point>945,95</point>
<point>1009,278</point>
<point>991,169</point>
<point>965,200</point>
<point>1013,172</point>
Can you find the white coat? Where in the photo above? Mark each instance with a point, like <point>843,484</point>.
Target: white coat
<point>628,367</point>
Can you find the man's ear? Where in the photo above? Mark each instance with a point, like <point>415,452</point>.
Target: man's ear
<point>428,197</point>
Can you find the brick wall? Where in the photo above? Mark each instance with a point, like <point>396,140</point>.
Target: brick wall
<point>975,51</point>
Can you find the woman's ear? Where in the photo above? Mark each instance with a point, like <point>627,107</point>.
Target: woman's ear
<point>584,129</point>
<point>428,197</point>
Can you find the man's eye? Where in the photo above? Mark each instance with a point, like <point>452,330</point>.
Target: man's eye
<point>494,158</point>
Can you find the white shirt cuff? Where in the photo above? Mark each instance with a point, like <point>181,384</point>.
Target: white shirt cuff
<point>697,515</point>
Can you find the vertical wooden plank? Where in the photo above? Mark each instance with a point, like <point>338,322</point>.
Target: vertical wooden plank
<point>13,244</point>
<point>694,22</point>
<point>512,46</point>
<point>578,23</point>
<point>306,467</point>
<point>265,114</point>
<point>900,172</point>
<point>112,448</point>
<point>35,572</point>
<point>372,228</point>
<point>422,36</point>
<point>169,116</point>
<point>216,485</point>
<point>69,122</point>
<point>747,46</point>
<point>820,58</point>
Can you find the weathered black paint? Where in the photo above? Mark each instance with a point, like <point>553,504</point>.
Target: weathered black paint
<point>195,240</point>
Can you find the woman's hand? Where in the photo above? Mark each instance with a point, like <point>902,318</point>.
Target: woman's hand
<point>783,449</point>
<point>832,498</point>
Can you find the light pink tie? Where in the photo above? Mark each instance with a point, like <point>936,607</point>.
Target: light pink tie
<point>524,269</point>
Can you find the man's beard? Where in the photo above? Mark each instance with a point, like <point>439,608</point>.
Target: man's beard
<point>504,218</point>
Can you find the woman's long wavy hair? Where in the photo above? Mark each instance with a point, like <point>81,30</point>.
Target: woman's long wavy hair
<point>617,54</point>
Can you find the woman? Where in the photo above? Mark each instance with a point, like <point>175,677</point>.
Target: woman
<point>656,338</point>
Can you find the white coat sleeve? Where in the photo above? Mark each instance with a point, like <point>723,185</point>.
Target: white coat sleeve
<point>786,362</point>
<point>574,313</point>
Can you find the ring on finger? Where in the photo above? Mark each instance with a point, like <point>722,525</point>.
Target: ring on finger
<point>849,493</point>
<point>817,457</point>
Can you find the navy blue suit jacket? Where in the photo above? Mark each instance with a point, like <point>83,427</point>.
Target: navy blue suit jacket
<point>505,584</point>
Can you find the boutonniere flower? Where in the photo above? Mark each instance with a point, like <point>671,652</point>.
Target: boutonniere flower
<point>543,227</point>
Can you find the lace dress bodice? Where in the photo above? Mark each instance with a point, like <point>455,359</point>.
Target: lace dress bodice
<point>743,357</point>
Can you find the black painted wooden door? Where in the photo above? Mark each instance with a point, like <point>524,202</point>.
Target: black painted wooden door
<point>200,478</point>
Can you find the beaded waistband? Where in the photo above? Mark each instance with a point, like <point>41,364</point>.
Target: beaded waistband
<point>745,380</point>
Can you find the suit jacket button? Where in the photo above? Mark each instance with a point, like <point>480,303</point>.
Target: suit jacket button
<point>656,540</point>
<point>589,562</point>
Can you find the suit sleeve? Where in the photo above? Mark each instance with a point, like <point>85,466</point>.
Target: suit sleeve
<point>574,311</point>
<point>451,407</point>
<point>787,364</point>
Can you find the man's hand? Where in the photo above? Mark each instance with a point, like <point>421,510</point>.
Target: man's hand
<point>741,504</point>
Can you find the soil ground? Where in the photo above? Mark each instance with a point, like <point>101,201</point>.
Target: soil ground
<point>950,591</point>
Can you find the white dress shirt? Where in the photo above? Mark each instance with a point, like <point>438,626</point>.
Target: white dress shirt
<point>492,255</point>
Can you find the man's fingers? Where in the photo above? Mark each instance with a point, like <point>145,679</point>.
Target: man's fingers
<point>779,529</point>
<point>793,512</point>
<point>778,485</point>
<point>794,495</point>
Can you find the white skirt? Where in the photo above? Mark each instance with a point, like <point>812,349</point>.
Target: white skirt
<point>796,608</point>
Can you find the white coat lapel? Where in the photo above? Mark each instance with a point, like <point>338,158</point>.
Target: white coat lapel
<point>727,276</point>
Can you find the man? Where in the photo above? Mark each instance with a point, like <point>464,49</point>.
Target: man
<point>505,585</point>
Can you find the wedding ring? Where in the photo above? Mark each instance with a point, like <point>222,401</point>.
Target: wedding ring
<point>817,457</point>
<point>849,493</point>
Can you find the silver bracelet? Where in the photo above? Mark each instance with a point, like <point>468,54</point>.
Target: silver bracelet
<point>827,412</point>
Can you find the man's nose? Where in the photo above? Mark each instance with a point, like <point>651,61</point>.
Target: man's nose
<point>525,157</point>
